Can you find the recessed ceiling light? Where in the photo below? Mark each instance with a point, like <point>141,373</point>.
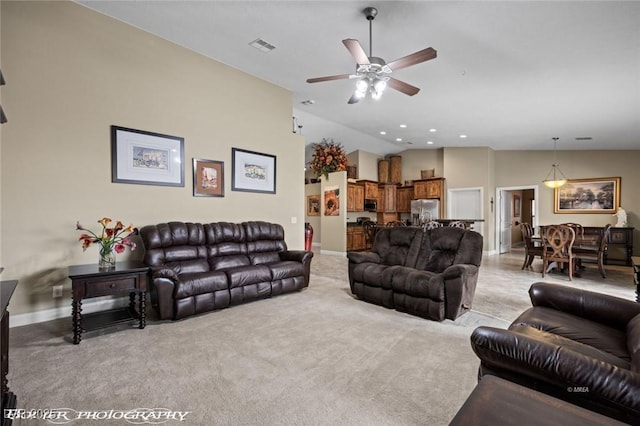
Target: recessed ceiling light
<point>403,126</point>
<point>398,139</point>
<point>463,136</point>
<point>429,142</point>
<point>432,130</point>
<point>382,132</point>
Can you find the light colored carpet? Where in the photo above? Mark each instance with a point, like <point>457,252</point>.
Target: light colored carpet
<point>315,357</point>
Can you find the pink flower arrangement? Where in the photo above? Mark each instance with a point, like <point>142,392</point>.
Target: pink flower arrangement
<point>116,238</point>
<point>328,157</point>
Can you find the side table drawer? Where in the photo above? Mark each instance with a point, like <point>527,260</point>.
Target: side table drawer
<point>109,287</point>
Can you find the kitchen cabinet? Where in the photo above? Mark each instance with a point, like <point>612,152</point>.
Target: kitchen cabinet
<point>404,197</point>
<point>355,238</point>
<point>387,196</point>
<point>428,188</point>
<point>370,189</point>
<point>355,197</point>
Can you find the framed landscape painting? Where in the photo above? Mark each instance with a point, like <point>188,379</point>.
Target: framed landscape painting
<point>253,171</point>
<point>146,158</point>
<point>598,195</point>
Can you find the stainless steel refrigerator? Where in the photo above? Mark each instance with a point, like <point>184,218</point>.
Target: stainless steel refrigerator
<point>423,211</point>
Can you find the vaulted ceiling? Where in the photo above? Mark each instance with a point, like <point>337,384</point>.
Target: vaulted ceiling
<point>509,74</point>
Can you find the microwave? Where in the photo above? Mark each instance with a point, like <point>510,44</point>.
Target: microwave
<point>370,205</point>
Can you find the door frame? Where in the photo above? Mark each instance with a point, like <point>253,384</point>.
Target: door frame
<point>496,211</point>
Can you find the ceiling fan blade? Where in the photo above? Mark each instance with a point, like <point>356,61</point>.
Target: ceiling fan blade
<point>331,77</point>
<point>415,58</point>
<point>354,99</point>
<point>356,51</point>
<point>403,87</point>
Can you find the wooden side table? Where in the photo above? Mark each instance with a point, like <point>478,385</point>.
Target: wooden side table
<point>8,398</point>
<point>635,261</point>
<point>88,281</point>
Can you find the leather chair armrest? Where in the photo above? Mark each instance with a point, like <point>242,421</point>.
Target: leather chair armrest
<point>602,308</point>
<point>363,256</point>
<point>163,272</point>
<point>301,256</point>
<point>559,366</point>
<point>163,282</point>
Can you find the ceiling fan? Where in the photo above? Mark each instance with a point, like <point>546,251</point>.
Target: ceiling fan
<point>373,72</point>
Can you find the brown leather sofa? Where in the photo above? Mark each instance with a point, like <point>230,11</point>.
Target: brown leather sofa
<point>198,267</point>
<point>579,346</point>
<point>428,273</point>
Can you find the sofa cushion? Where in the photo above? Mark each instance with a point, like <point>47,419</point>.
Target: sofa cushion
<point>573,345</point>
<point>246,275</point>
<point>200,282</point>
<point>395,246</point>
<point>633,342</point>
<point>600,336</point>
<point>286,269</point>
<point>415,283</point>
<point>369,273</point>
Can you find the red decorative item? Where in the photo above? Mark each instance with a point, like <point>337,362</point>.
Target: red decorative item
<point>308,236</point>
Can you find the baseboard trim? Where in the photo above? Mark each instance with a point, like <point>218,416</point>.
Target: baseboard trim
<point>95,305</point>
<point>333,253</point>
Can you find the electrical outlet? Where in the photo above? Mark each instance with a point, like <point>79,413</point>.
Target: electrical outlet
<point>57,291</point>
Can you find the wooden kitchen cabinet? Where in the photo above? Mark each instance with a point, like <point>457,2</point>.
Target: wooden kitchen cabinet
<point>355,238</point>
<point>404,197</point>
<point>370,189</point>
<point>355,197</point>
<point>428,188</point>
<point>387,196</point>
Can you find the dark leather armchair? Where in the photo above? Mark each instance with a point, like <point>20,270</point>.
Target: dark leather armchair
<point>576,345</point>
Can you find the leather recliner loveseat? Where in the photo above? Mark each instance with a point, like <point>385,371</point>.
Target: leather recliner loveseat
<point>198,267</point>
<point>427,273</point>
<point>576,345</point>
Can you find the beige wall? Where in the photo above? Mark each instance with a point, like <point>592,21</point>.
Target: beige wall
<point>71,73</point>
<point>334,228</point>
<point>314,221</point>
<point>415,160</point>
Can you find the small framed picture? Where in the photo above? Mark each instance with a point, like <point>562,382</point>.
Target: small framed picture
<point>313,205</point>
<point>146,158</point>
<point>208,178</point>
<point>253,171</point>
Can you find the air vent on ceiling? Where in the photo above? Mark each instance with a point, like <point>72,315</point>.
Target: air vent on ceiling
<point>262,45</point>
<point>308,102</point>
<point>584,138</point>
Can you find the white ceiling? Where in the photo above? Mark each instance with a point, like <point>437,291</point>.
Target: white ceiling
<point>509,74</point>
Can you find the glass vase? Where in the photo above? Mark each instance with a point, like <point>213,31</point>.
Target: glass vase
<point>107,259</point>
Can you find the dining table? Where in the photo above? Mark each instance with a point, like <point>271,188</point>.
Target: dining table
<point>582,242</point>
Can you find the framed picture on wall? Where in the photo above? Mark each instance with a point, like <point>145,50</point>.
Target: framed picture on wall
<point>253,171</point>
<point>597,195</point>
<point>146,158</point>
<point>208,178</point>
<point>517,206</point>
<point>313,205</point>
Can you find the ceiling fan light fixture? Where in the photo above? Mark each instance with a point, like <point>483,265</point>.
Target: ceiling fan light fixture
<point>379,85</point>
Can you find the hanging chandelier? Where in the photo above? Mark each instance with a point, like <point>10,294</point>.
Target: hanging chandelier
<point>558,178</point>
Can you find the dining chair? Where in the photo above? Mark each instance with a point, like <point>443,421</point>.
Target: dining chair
<point>457,224</point>
<point>595,253</point>
<point>395,223</point>
<point>427,226</point>
<point>531,249</point>
<point>576,227</point>
<point>370,229</point>
<point>557,246</point>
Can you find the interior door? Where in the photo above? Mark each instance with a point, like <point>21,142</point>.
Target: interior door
<point>505,222</point>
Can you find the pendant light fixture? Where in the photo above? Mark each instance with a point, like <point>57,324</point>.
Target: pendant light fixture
<point>559,178</point>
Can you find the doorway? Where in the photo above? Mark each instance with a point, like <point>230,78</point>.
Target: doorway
<point>516,205</point>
